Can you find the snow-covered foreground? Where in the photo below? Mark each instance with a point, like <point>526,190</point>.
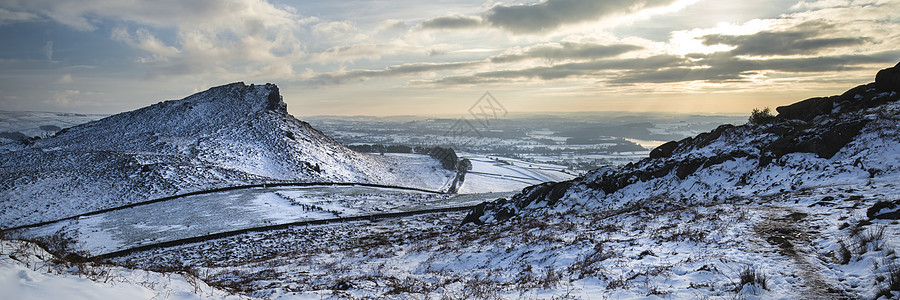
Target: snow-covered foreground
<point>28,272</point>
<point>655,249</point>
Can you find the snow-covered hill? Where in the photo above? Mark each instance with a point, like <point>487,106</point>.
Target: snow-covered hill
<point>848,139</point>
<point>228,135</point>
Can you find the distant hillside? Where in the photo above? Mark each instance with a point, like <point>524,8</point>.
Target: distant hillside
<point>227,135</point>
<point>851,138</point>
<point>39,123</point>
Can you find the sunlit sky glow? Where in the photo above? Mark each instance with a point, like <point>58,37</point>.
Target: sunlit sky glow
<point>437,57</point>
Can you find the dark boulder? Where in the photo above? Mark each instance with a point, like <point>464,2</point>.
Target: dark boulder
<point>476,213</point>
<point>550,192</point>
<point>785,128</point>
<point>502,209</point>
<point>497,208</point>
<point>888,79</point>
<point>884,210</point>
<point>664,150</point>
<point>807,109</point>
<point>611,180</point>
<point>824,142</point>
<point>15,136</point>
<point>687,168</point>
<point>833,140</point>
<point>706,138</point>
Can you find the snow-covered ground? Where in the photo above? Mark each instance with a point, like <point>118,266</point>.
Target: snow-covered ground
<point>29,272</point>
<point>659,249</point>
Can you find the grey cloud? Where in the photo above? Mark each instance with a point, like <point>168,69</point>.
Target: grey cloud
<point>576,69</point>
<point>354,52</point>
<point>724,67</point>
<point>676,75</point>
<point>178,66</point>
<point>464,80</point>
<point>392,71</point>
<point>452,22</point>
<point>48,50</point>
<point>802,39</point>
<point>551,14</point>
<point>85,14</point>
<point>7,16</point>
<point>823,64</point>
<point>717,67</point>
<point>567,50</point>
<point>645,63</point>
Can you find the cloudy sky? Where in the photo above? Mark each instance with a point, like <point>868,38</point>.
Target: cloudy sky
<point>438,57</point>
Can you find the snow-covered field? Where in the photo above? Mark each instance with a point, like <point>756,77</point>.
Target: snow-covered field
<point>581,141</point>
<point>205,214</point>
<point>39,123</point>
<point>502,174</point>
<point>659,249</point>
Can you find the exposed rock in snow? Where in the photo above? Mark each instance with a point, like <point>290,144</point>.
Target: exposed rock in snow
<point>851,138</point>
<point>228,135</point>
<point>883,90</point>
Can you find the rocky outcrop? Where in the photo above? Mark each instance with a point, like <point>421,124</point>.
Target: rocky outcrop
<point>885,89</point>
<point>888,79</point>
<point>664,150</point>
<point>807,109</point>
<point>548,192</point>
<point>824,140</point>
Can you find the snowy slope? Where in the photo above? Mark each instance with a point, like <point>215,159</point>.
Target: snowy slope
<point>661,251</point>
<point>29,272</point>
<point>839,140</point>
<point>227,135</point>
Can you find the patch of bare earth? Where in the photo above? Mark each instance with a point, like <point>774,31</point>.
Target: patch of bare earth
<point>786,228</point>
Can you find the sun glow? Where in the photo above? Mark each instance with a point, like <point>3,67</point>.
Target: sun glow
<point>685,42</point>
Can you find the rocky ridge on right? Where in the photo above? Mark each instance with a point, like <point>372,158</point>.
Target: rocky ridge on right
<point>847,137</point>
